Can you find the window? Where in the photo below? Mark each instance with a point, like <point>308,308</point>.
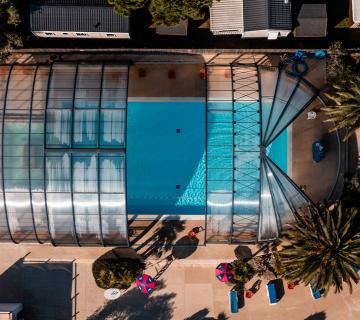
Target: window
<point>81,34</point>
<point>110,35</point>
<point>65,33</point>
<point>49,33</point>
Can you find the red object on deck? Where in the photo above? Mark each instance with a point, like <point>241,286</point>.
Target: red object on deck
<point>249,294</point>
<point>202,74</point>
<point>191,235</point>
<point>291,285</point>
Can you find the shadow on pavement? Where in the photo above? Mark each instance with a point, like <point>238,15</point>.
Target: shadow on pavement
<point>134,305</point>
<point>317,316</point>
<point>243,253</point>
<point>44,289</point>
<point>184,247</point>
<point>201,315</point>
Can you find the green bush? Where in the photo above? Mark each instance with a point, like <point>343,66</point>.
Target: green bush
<point>242,271</point>
<point>116,273</point>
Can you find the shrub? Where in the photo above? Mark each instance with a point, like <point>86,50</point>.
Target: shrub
<point>116,273</point>
<point>242,271</point>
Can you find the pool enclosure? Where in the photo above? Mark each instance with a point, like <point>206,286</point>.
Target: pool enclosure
<point>63,151</point>
<point>249,198</point>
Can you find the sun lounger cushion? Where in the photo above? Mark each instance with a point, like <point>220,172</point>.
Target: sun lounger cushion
<point>272,293</point>
<point>233,302</point>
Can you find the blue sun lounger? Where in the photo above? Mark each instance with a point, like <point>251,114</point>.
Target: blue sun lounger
<point>357,268</point>
<point>272,293</point>
<point>233,298</point>
<point>316,294</point>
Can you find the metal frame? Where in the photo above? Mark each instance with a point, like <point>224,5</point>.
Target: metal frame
<point>233,155</point>
<point>44,161</point>
<point>206,151</point>
<point>2,153</point>
<point>71,157</point>
<point>98,158</point>
<point>29,153</point>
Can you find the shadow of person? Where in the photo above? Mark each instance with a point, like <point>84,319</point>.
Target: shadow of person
<point>184,247</point>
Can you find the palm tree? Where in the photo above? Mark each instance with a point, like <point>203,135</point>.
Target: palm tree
<point>324,247</point>
<point>346,113</point>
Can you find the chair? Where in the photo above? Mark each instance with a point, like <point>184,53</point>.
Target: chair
<point>317,151</point>
<point>271,291</point>
<point>316,294</point>
<point>233,300</point>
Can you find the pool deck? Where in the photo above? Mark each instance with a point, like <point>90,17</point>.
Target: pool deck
<point>187,288</point>
<point>317,179</point>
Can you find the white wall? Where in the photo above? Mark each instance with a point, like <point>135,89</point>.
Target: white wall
<point>73,34</point>
<point>264,33</point>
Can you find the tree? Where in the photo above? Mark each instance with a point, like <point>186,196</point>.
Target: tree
<point>9,19</point>
<point>323,249</point>
<point>165,12</point>
<point>346,113</point>
<point>125,7</point>
<point>170,12</point>
<point>116,273</point>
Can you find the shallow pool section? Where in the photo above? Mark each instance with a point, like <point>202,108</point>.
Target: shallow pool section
<point>166,158</point>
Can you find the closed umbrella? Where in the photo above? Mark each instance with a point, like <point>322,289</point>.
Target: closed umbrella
<point>224,272</point>
<point>145,283</point>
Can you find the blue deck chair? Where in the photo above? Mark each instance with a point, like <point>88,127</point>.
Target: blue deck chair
<point>272,293</point>
<point>316,294</point>
<point>233,298</point>
<point>317,151</point>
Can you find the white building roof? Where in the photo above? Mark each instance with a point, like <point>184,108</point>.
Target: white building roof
<point>226,17</point>
<point>356,10</point>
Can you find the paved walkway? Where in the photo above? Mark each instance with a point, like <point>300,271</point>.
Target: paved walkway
<point>186,289</point>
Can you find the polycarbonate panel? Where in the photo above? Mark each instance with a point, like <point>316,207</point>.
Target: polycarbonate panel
<point>114,88</point>
<point>88,86</point>
<point>19,211</point>
<point>85,128</point>
<point>297,104</point>
<point>86,210</point>
<point>293,194</point>
<point>112,128</point>
<point>282,208</point>
<point>113,217</point>
<point>85,173</point>
<point>61,217</point>
<point>112,173</point>
<point>268,224</point>
<point>40,218</point>
<point>15,152</point>
<point>286,86</point>
<point>58,172</point>
<point>268,79</point>
<point>61,89</point>
<point>58,127</point>
<point>219,213</point>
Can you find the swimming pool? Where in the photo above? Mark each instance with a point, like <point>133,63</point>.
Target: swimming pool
<point>166,157</point>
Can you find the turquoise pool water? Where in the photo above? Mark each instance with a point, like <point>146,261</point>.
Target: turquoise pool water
<point>277,151</point>
<point>166,158</point>
<point>166,161</point>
